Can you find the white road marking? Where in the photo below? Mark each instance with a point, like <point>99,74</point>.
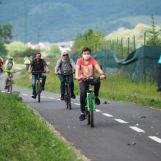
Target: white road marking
<point>98,110</point>
<point>155,139</point>
<point>136,129</point>
<point>77,104</point>
<point>106,114</point>
<point>58,99</point>
<point>121,121</point>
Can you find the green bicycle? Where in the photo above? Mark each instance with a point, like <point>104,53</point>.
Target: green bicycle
<point>90,101</point>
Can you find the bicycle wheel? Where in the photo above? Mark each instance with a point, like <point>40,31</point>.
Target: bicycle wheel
<point>66,96</point>
<point>87,109</point>
<point>69,97</point>
<point>9,86</point>
<point>39,91</point>
<point>91,110</point>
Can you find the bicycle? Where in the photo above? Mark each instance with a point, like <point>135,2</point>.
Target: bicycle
<point>90,107</point>
<point>38,84</point>
<point>9,83</point>
<point>67,95</point>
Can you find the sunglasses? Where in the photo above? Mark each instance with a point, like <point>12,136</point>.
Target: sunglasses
<point>65,55</point>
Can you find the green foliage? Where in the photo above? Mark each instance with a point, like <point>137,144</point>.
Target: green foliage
<point>119,87</point>
<point>153,34</point>
<point>25,137</point>
<point>15,48</point>
<point>54,51</point>
<point>18,49</point>
<point>91,38</point>
<point>5,37</point>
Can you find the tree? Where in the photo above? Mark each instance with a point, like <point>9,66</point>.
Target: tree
<point>153,34</point>
<point>92,39</point>
<point>5,36</point>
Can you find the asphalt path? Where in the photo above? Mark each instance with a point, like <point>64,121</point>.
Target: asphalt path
<point>122,132</point>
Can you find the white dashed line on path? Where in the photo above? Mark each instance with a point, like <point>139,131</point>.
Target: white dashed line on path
<point>77,104</point>
<point>98,110</point>
<point>121,121</point>
<point>106,114</point>
<point>136,129</point>
<point>155,139</point>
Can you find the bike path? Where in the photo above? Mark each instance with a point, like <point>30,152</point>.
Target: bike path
<point>122,132</point>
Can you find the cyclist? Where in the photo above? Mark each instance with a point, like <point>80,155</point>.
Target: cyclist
<point>1,64</point>
<point>38,65</point>
<point>65,67</point>
<point>9,68</point>
<point>84,69</point>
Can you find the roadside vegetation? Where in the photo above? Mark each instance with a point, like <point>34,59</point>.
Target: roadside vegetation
<point>116,87</point>
<point>25,137</point>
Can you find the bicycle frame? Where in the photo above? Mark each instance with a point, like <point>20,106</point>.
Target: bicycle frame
<point>90,102</point>
<point>90,93</point>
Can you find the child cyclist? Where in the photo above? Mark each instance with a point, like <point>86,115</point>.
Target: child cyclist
<point>84,69</point>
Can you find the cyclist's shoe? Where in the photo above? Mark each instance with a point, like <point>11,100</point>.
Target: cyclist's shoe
<point>34,96</point>
<point>73,95</point>
<point>82,117</point>
<point>62,97</point>
<point>97,101</point>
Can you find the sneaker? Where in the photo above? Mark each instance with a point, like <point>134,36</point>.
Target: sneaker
<point>82,117</point>
<point>62,97</point>
<point>97,101</point>
<point>34,96</point>
<point>73,95</point>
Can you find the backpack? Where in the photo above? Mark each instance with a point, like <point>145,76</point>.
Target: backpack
<point>65,67</point>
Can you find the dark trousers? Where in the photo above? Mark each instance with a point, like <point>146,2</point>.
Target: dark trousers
<point>83,93</point>
<point>62,82</point>
<point>34,77</point>
<point>159,76</point>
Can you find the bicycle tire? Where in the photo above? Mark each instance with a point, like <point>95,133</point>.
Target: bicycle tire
<point>66,96</point>
<point>9,86</point>
<point>87,111</point>
<point>39,91</point>
<point>69,97</point>
<point>91,111</point>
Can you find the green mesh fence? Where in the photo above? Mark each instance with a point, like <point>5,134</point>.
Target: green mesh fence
<point>141,64</point>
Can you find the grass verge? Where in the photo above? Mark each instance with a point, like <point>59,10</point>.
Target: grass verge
<point>25,137</point>
<point>115,87</point>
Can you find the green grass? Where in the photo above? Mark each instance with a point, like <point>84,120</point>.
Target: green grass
<point>25,137</point>
<point>115,87</point>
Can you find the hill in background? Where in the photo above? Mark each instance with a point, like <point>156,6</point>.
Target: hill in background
<point>61,20</point>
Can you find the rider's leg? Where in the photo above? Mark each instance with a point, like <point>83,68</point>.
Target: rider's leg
<point>62,86</point>
<point>71,82</point>
<point>34,85</point>
<point>83,92</point>
<point>43,76</point>
<point>96,92</point>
